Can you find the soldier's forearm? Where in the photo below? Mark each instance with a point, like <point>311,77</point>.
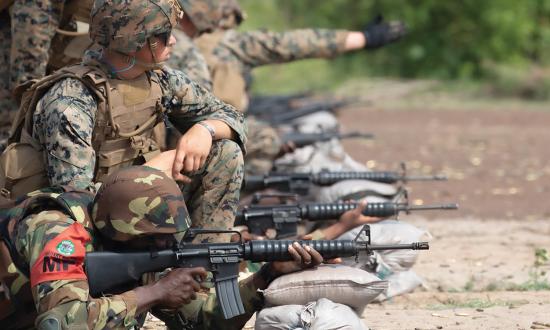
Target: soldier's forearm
<point>355,40</point>
<point>222,130</point>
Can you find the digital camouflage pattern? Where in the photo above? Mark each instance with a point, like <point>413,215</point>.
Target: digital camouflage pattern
<point>231,55</point>
<point>204,14</point>
<point>232,14</point>
<point>126,26</point>
<point>64,119</point>
<point>187,58</point>
<point>264,147</point>
<point>8,107</point>
<point>148,202</point>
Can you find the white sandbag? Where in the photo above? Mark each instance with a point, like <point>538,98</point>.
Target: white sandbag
<point>316,122</point>
<point>322,314</point>
<point>400,283</point>
<point>286,317</point>
<point>327,315</point>
<point>345,285</point>
<point>340,190</point>
<point>388,232</point>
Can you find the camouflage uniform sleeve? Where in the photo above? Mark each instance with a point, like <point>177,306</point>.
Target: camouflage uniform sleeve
<point>189,103</point>
<point>63,124</point>
<point>34,24</point>
<point>187,58</point>
<point>67,303</point>
<point>206,313</point>
<point>256,48</point>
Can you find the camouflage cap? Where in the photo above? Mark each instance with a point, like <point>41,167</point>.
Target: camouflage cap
<point>204,14</point>
<point>139,201</point>
<point>125,26</point>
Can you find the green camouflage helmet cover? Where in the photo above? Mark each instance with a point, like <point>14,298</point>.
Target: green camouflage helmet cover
<point>204,14</point>
<point>139,201</point>
<point>126,25</point>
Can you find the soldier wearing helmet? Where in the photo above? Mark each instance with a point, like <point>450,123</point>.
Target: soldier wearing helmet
<point>46,235</point>
<point>231,56</point>
<point>87,120</point>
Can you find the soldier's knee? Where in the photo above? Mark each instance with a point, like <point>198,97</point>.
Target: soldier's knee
<point>226,154</point>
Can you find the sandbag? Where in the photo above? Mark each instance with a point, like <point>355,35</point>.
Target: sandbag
<point>361,188</point>
<point>388,232</point>
<point>341,284</point>
<point>322,314</point>
<point>400,283</point>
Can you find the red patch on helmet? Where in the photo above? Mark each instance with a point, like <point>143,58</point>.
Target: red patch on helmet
<point>63,257</point>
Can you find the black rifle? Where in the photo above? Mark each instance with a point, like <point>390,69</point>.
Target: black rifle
<point>309,108</point>
<point>271,104</point>
<point>285,218</point>
<point>305,139</point>
<point>108,271</point>
<point>300,183</point>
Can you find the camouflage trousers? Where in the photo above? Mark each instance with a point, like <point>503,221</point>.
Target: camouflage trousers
<point>262,147</point>
<point>8,107</point>
<point>213,195</point>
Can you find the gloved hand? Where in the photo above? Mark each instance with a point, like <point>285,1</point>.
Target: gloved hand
<point>379,33</point>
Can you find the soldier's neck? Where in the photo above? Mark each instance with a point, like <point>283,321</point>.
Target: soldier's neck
<point>123,66</point>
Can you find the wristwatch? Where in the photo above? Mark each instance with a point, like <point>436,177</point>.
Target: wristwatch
<point>210,129</point>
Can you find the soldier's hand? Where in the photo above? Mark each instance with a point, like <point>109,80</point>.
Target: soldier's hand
<point>191,152</point>
<point>286,148</point>
<point>179,286</point>
<point>303,257</point>
<point>355,217</point>
<point>379,33</point>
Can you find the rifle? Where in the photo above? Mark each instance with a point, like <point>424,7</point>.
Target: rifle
<point>305,139</point>
<point>270,104</point>
<point>285,218</point>
<point>289,115</point>
<point>108,271</point>
<point>300,183</point>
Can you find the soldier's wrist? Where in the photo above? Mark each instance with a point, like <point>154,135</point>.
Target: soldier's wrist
<point>211,130</point>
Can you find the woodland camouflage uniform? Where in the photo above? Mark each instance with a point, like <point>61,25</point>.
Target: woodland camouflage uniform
<point>66,117</point>
<point>61,224</point>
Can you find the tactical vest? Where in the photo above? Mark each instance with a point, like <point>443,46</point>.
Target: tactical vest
<point>17,310</point>
<point>228,84</point>
<point>128,114</point>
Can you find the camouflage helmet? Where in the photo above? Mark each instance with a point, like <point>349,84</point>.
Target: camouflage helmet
<point>232,14</point>
<point>139,201</point>
<point>204,14</point>
<point>126,26</point>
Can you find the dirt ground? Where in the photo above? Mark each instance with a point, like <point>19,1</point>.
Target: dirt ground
<point>479,272</point>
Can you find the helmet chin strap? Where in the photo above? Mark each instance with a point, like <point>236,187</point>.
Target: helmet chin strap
<point>156,63</point>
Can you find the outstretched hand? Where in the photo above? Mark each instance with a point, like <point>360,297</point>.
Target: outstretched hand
<point>379,33</point>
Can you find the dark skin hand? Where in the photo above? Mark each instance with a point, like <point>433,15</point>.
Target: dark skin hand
<point>286,148</point>
<point>177,288</point>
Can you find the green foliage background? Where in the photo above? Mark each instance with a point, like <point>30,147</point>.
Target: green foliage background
<point>448,39</point>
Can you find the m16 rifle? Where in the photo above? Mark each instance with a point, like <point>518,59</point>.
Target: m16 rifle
<point>300,183</point>
<point>284,218</point>
<point>305,139</point>
<point>283,118</point>
<point>268,105</point>
<point>107,272</point>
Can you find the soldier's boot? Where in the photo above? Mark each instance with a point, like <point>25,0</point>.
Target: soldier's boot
<point>213,196</point>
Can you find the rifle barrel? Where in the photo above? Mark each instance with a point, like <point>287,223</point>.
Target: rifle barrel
<point>437,177</point>
<point>450,206</point>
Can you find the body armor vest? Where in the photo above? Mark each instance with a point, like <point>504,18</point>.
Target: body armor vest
<point>128,114</point>
<point>17,310</point>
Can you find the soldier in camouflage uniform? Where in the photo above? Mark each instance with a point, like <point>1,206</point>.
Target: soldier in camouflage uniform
<point>32,45</point>
<point>231,56</point>
<point>86,128</point>
<point>50,231</point>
